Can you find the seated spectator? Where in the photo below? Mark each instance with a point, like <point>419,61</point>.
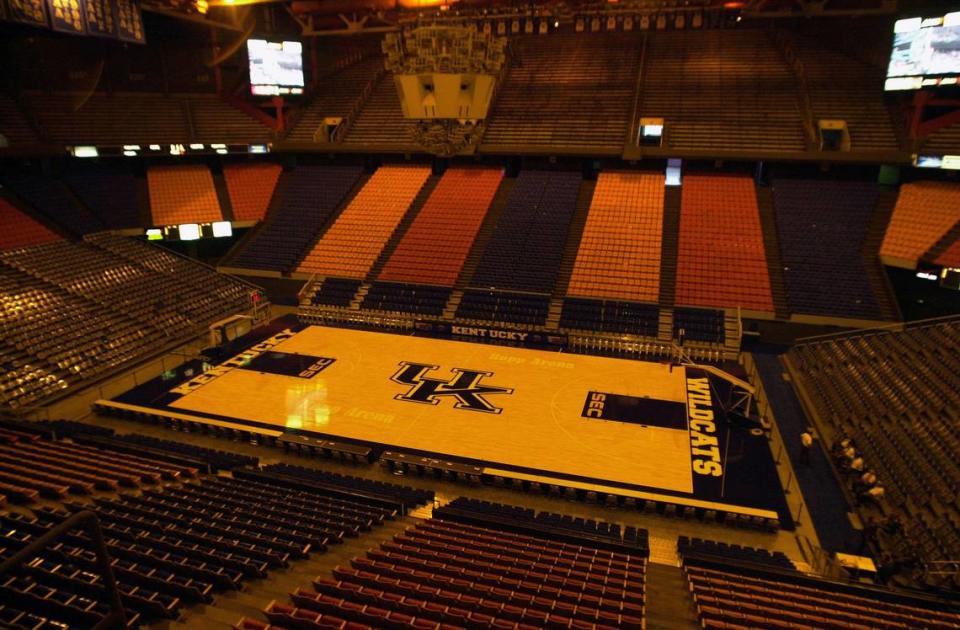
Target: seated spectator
<point>866,481</point>
<point>857,465</point>
<point>840,446</point>
<point>874,495</point>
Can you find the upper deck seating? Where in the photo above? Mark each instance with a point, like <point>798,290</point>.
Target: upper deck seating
<point>845,88</point>
<point>110,119</point>
<point>381,121</point>
<point>215,121</point>
<point>335,97</point>
<point>13,126</point>
<point>721,90</point>
<point>567,91</point>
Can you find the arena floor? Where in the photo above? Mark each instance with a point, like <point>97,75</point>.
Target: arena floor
<point>648,427</point>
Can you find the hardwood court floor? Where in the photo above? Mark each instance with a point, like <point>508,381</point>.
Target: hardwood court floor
<point>541,425</point>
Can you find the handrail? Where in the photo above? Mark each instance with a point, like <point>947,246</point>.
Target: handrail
<point>117,617</point>
<point>796,65</point>
<point>305,286</point>
<point>347,123</point>
<point>892,327</point>
<point>91,238</point>
<point>634,116</point>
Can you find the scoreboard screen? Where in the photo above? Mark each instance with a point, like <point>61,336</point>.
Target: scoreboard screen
<point>926,53</point>
<point>276,68</point>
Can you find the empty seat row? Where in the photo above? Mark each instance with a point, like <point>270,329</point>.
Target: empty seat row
<point>924,213</point>
<point>620,249</point>
<point>610,316</point>
<point>821,227</point>
<point>504,306</point>
<point>406,298</point>
<point>528,241</point>
<point>721,261</point>
<point>444,573</point>
<point>182,194</point>
<point>732,596</point>
<point>21,230</point>
<point>250,187</point>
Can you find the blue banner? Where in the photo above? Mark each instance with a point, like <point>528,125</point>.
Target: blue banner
<point>66,16</point>
<point>129,21</point>
<point>31,12</point>
<point>100,18</point>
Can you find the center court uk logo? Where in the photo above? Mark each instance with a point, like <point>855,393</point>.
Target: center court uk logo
<point>464,386</point>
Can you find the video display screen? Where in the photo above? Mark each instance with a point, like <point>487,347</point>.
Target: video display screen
<point>276,68</point>
<point>926,53</point>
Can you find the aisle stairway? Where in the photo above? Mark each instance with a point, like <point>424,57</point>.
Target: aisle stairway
<point>670,245</point>
<point>479,245</point>
<point>669,604</point>
<point>876,275</point>
<point>232,605</point>
<point>771,245</point>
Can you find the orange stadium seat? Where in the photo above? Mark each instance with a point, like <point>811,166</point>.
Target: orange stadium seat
<point>619,255</point>
<point>721,260</point>
<point>925,211</point>
<point>251,188</point>
<point>19,230</point>
<point>436,245</point>
<point>182,194</point>
<point>951,257</point>
<point>354,241</point>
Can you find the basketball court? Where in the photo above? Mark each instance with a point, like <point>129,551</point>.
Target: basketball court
<point>626,424</point>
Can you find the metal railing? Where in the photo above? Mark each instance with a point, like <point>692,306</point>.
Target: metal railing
<point>116,618</point>
<point>893,327</point>
<point>778,448</point>
<point>785,47</point>
<point>347,123</point>
<point>632,134</point>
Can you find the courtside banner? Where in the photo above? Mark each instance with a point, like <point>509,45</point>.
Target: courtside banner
<point>447,330</point>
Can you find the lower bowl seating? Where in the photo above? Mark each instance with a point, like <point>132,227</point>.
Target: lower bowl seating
<point>519,570</point>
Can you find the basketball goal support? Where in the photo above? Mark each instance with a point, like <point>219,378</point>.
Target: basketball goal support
<point>741,392</point>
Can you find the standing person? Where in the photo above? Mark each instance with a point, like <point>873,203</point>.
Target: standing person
<point>806,445</point>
